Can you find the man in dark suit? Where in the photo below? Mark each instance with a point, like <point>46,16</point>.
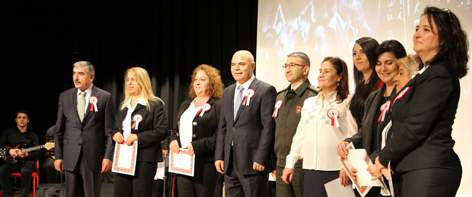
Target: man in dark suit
<point>84,123</point>
<point>245,138</point>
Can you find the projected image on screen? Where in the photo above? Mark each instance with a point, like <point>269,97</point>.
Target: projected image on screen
<point>329,28</point>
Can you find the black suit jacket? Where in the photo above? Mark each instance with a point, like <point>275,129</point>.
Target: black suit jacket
<point>92,135</point>
<point>422,123</point>
<point>151,130</point>
<point>251,132</point>
<point>369,133</point>
<point>204,133</point>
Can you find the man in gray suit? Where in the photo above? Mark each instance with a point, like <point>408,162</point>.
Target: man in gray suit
<point>84,123</point>
<point>245,137</point>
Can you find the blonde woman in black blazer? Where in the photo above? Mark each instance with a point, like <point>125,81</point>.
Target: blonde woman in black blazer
<point>420,149</point>
<point>200,113</point>
<point>148,132</point>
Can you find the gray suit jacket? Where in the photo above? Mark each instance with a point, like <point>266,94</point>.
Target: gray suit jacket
<point>92,135</point>
<point>252,131</point>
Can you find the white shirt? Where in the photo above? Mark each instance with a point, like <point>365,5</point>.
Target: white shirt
<point>186,124</point>
<point>385,132</point>
<point>316,138</point>
<point>126,124</point>
<point>88,93</point>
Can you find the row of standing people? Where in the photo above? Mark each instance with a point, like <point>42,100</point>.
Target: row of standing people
<point>409,128</point>
<point>406,120</point>
<point>245,136</point>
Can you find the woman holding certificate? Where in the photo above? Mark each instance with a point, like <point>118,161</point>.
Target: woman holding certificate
<point>141,122</point>
<point>197,125</point>
<point>373,135</point>
<point>420,150</point>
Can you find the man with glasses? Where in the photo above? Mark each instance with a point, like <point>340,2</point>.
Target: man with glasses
<point>287,110</point>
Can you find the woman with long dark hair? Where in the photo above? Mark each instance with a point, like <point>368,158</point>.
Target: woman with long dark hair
<point>374,131</point>
<point>365,78</point>
<point>420,149</point>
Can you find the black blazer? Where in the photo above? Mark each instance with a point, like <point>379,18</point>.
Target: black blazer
<point>367,134</point>
<point>251,132</point>
<point>422,123</point>
<point>204,133</point>
<point>151,130</point>
<point>91,136</point>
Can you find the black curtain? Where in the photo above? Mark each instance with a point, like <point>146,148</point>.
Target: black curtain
<point>168,38</point>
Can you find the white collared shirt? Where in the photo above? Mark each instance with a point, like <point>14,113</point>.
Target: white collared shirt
<point>186,124</point>
<point>88,94</point>
<point>128,119</point>
<point>245,85</point>
<point>316,138</point>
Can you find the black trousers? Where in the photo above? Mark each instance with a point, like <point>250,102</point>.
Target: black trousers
<point>239,185</point>
<point>314,180</point>
<point>204,186</point>
<point>139,185</point>
<point>26,168</point>
<point>82,181</point>
<point>431,182</point>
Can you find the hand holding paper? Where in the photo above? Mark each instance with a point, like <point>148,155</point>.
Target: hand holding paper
<point>182,162</point>
<point>124,160</point>
<point>359,160</point>
<point>342,149</point>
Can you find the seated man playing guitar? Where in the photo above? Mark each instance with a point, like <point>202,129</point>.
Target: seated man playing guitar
<point>15,139</point>
<point>7,153</point>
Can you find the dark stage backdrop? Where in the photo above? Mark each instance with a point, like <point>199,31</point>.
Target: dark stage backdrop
<point>169,38</point>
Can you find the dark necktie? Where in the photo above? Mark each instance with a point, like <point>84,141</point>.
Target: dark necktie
<point>238,99</point>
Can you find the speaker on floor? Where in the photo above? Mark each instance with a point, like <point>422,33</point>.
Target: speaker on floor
<point>58,190</point>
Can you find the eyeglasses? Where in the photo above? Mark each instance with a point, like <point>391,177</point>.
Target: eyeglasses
<point>291,65</point>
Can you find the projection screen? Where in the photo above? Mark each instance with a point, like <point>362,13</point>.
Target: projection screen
<point>330,27</point>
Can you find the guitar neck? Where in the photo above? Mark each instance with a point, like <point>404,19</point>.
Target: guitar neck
<point>33,148</point>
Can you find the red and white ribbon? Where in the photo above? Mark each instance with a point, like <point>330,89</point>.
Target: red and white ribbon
<point>383,111</point>
<point>277,106</point>
<point>136,120</point>
<point>93,104</point>
<point>333,117</point>
<point>248,95</point>
<point>401,94</point>
<point>204,109</point>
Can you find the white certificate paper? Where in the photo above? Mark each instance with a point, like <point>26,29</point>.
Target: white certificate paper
<point>124,159</point>
<point>359,160</point>
<point>334,188</point>
<point>182,162</point>
<point>160,171</point>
